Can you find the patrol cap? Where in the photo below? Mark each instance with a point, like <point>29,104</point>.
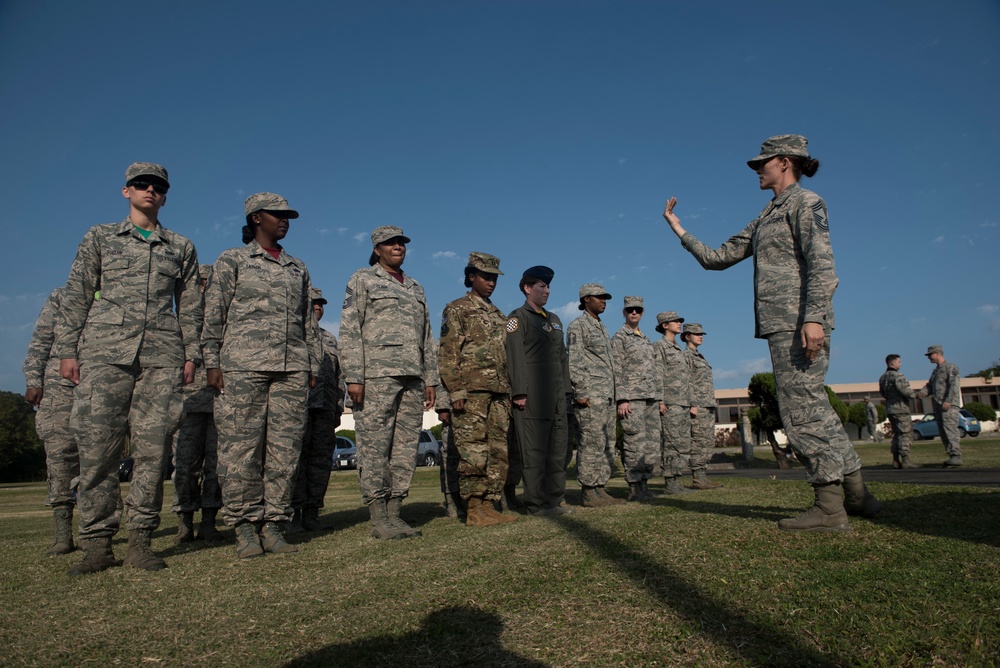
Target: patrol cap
<point>934,349</point>
<point>137,169</point>
<point>665,317</point>
<point>484,263</point>
<point>592,290</point>
<point>691,328</point>
<point>636,302</point>
<point>316,295</point>
<point>385,232</point>
<point>780,145</point>
<point>541,272</point>
<point>269,202</point>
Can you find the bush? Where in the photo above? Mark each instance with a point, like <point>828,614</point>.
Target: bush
<point>982,412</point>
<point>22,457</point>
<point>838,406</point>
<point>348,433</point>
<point>727,438</point>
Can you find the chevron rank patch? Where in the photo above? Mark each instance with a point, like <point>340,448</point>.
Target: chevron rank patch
<point>512,325</point>
<point>349,297</point>
<point>821,221</point>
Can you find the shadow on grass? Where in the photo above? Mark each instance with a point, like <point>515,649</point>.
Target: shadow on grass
<point>970,516</point>
<point>452,636</point>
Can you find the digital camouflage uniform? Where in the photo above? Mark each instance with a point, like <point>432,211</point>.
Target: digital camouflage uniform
<point>196,457</point>
<point>449,452</point>
<point>897,393</point>
<point>943,386</point>
<point>871,422</point>
<point>637,383</point>
<point>675,423</point>
<point>131,345</point>
<point>260,330</point>
<point>386,344</point>
<point>52,421</point>
<point>473,366</point>
<point>702,389</point>
<point>592,376</point>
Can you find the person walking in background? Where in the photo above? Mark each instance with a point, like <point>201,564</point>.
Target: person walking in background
<point>871,421</point>
<point>637,397</point>
<point>676,416</point>
<point>897,393</point>
<point>128,352</point>
<point>262,352</point>
<point>592,376</point>
<point>794,282</point>
<point>702,388</point>
<point>389,357</point>
<point>944,389</point>
<point>52,395</point>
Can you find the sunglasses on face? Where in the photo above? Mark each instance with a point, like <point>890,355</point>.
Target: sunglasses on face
<point>633,309</point>
<point>140,184</point>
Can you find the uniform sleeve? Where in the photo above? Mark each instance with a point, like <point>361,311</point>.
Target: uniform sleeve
<point>431,377</point>
<point>515,355</point>
<point>903,387</point>
<point>619,359</point>
<point>218,297</point>
<point>84,280</point>
<point>311,328</point>
<point>576,348</point>
<point>812,231</point>
<point>661,370</point>
<point>567,383</point>
<point>450,352</point>
<point>737,249</point>
<point>954,394</point>
<point>352,318</point>
<point>190,305</point>
<point>40,346</point>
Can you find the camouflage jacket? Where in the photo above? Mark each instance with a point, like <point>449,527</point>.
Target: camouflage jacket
<point>944,385</point>
<point>673,372</point>
<point>150,299</point>
<point>871,413</point>
<point>329,391</point>
<point>473,356</point>
<point>41,367</point>
<point>385,329</point>
<point>537,362</point>
<point>635,362</point>
<point>591,364</point>
<point>198,396</point>
<point>896,391</point>
<point>702,388</point>
<point>794,273</point>
<point>258,316</point>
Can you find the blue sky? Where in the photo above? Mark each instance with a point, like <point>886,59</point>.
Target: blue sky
<point>542,132</point>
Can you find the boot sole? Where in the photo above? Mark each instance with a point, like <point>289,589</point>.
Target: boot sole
<point>843,528</point>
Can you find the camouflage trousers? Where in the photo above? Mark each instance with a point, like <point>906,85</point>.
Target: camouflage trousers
<point>814,431</point>
<point>873,432</point>
<point>702,438</point>
<point>675,440</point>
<point>110,402</point>
<point>642,440</point>
<point>313,476</point>
<point>449,460</point>
<point>481,439</point>
<point>388,432</point>
<point>902,433</point>
<point>196,463</point>
<point>62,459</point>
<point>541,452</point>
<point>595,446</point>
<point>947,422</point>
<point>261,419</point>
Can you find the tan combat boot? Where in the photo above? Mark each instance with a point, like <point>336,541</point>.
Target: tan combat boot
<point>392,508</point>
<point>611,500</point>
<point>63,541</point>
<point>247,541</point>
<point>857,499</point>
<point>592,499</point>
<point>476,515</point>
<point>907,464</point>
<point>381,528</point>
<point>97,556</point>
<point>273,541</point>
<point>700,480</point>
<point>140,552</point>
<point>826,514</point>
<point>491,510</point>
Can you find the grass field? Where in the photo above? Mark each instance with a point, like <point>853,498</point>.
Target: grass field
<point>701,580</point>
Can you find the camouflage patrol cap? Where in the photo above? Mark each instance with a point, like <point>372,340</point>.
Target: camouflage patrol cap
<point>386,232</point>
<point>316,295</point>
<point>137,169</point>
<point>634,302</point>
<point>269,202</point>
<point>934,349</point>
<point>665,317</point>
<point>780,145</point>
<point>592,290</point>
<point>488,264</point>
<point>691,328</point>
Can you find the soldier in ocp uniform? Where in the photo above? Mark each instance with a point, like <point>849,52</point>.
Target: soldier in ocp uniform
<point>538,367</point>
<point>702,389</point>
<point>794,282</point>
<point>263,352</point>
<point>898,394</point>
<point>129,352</point>
<point>592,375</point>
<point>388,354</point>
<point>53,396</point>
<point>473,367</point>
<point>675,403</point>
<point>453,504</point>
<point>637,396</point>
<point>944,389</point>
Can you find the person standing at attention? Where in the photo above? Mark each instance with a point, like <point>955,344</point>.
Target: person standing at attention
<point>898,394</point>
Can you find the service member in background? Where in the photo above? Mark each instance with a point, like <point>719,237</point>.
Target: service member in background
<point>196,456</point>
<point>676,416</point>
<point>944,389</point>
<point>898,394</point>
<point>702,389</point>
<point>326,405</point>
<point>871,421</point>
<point>389,357</point>
<point>473,367</point>
<point>129,352</point>
<point>453,504</point>
<point>538,366</point>
<point>592,375</point>
<point>53,396</point>
<point>794,282</point>
<point>262,352</point>
<point>637,394</point>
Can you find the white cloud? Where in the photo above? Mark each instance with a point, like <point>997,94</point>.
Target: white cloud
<point>641,267</point>
<point>622,161</point>
<point>987,224</point>
<point>567,312</point>
<point>620,216</point>
<point>988,309</point>
<point>746,368</point>
<point>341,230</point>
<point>938,240</point>
<point>444,255</point>
<point>323,231</point>
<point>360,236</point>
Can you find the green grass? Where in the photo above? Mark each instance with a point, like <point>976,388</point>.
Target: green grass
<point>701,580</point>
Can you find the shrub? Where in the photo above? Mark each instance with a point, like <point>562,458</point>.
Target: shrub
<point>347,433</point>
<point>727,438</point>
<point>982,412</point>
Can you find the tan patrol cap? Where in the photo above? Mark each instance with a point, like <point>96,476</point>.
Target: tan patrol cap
<point>665,317</point>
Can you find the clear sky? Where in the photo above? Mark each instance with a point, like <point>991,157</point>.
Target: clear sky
<point>545,132</point>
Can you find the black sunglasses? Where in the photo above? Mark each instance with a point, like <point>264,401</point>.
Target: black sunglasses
<point>140,184</point>
<point>634,309</point>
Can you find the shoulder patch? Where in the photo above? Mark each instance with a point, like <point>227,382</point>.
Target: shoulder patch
<point>444,323</point>
<point>348,297</point>
<point>820,216</point>
<point>512,325</point>
<point>571,338</point>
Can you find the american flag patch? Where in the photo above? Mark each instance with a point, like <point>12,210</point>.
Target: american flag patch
<point>512,325</point>
<point>819,216</point>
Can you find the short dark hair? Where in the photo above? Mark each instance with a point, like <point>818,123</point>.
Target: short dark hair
<point>889,359</point>
<point>527,280</point>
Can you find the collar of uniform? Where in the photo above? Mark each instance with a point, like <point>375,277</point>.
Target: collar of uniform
<point>633,332</point>
<point>785,194</point>
<point>256,249</point>
<point>531,309</point>
<point>477,300</point>
<point>380,271</point>
<point>158,233</point>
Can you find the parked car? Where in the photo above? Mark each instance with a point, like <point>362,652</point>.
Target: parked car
<point>428,449</point>
<point>345,454</point>
<point>927,427</point>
